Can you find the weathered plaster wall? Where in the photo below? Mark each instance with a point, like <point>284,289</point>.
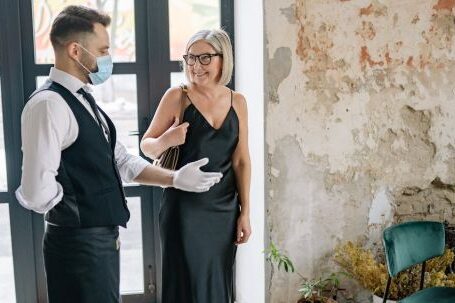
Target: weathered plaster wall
<point>360,123</point>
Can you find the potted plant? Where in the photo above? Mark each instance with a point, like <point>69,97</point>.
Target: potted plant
<point>371,272</point>
<point>319,290</point>
<point>323,289</point>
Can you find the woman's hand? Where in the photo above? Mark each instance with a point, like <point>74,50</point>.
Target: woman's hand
<point>243,229</point>
<point>176,134</point>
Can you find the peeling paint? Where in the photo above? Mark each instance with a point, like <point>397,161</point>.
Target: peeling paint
<point>375,8</point>
<point>279,67</point>
<point>441,33</point>
<point>445,5</point>
<point>415,19</point>
<point>365,59</point>
<point>382,208</point>
<point>435,202</point>
<point>359,129</point>
<point>409,62</point>
<point>367,32</point>
<point>289,12</point>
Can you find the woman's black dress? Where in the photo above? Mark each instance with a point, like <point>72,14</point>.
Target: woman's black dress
<point>198,229</point>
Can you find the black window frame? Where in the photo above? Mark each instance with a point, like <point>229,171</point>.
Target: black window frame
<point>18,72</point>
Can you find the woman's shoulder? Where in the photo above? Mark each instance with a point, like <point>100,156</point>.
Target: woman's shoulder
<point>239,106</point>
<point>238,101</point>
<point>174,91</point>
<point>172,96</point>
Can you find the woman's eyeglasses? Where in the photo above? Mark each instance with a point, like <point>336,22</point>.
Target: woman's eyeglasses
<point>204,59</point>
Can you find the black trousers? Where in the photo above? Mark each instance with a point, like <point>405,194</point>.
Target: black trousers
<point>82,264</point>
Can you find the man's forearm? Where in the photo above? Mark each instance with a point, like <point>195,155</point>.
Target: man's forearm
<point>156,176</point>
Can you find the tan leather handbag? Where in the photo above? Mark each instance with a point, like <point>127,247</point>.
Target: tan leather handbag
<point>170,157</point>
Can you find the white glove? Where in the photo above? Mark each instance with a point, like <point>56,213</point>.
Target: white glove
<point>191,178</point>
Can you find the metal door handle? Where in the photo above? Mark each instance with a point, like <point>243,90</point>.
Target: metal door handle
<point>151,287</point>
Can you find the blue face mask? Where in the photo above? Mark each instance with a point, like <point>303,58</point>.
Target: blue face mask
<point>105,66</point>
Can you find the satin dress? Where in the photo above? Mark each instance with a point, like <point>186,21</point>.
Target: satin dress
<point>198,230</point>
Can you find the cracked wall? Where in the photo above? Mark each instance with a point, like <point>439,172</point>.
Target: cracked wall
<point>360,112</point>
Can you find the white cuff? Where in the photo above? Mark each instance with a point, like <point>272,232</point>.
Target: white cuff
<point>39,206</point>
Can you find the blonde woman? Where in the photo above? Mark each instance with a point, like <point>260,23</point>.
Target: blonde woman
<point>200,232</point>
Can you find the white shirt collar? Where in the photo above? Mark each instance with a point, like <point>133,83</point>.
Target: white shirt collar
<point>68,81</point>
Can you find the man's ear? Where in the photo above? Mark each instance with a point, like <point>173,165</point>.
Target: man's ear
<point>73,50</point>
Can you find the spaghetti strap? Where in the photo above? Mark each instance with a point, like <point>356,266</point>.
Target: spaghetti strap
<point>184,89</point>
<point>231,97</point>
<point>188,98</point>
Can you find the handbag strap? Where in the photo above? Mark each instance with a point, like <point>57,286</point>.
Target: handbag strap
<point>184,89</point>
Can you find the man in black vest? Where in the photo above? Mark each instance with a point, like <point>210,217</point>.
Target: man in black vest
<point>73,165</point>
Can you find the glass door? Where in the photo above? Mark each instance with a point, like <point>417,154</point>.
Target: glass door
<point>7,285</point>
<point>147,44</point>
<point>124,98</point>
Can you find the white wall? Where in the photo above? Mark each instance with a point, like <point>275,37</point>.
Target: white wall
<point>249,76</point>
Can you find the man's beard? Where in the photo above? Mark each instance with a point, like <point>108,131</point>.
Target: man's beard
<point>88,62</point>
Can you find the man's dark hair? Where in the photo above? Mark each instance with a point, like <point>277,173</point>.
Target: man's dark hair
<point>74,22</point>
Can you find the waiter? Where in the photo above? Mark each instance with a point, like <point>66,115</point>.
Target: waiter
<point>73,165</point>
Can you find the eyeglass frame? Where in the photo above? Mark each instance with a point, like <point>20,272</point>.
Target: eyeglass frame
<point>197,58</point>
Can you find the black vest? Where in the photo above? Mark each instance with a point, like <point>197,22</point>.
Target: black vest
<point>92,189</point>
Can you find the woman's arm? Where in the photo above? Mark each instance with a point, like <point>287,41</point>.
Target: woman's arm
<point>242,167</point>
<point>164,131</point>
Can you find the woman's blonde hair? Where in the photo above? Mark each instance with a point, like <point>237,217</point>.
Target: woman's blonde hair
<point>221,42</point>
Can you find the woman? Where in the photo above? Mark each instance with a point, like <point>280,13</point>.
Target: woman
<point>199,232</point>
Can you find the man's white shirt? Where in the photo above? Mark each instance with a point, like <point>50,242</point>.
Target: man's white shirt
<point>48,126</point>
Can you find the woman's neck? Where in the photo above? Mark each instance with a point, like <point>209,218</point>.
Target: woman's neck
<point>208,91</point>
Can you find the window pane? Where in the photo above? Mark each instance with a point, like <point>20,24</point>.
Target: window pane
<point>7,288</point>
<point>118,98</point>
<point>3,182</point>
<point>177,79</point>
<point>131,261</point>
<point>186,17</point>
<point>121,30</point>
